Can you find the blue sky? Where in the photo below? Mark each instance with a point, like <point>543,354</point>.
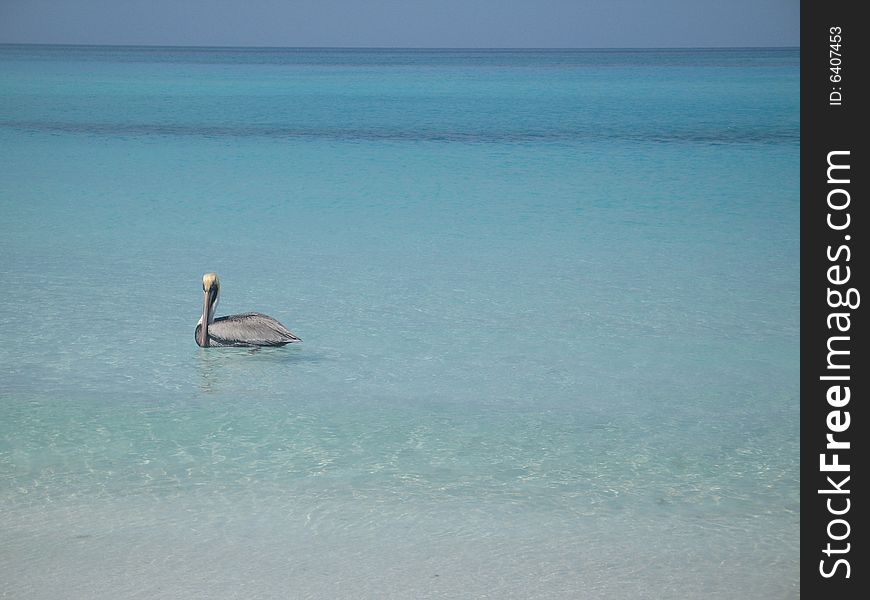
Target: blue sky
<point>405,23</point>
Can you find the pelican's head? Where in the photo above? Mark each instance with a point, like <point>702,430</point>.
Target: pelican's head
<point>210,280</point>
<point>211,287</point>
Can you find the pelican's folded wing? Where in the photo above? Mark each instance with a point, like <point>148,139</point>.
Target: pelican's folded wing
<point>249,329</point>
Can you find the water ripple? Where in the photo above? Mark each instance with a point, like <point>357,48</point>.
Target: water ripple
<point>601,133</point>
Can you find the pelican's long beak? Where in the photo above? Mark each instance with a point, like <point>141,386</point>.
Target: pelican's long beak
<point>206,307</point>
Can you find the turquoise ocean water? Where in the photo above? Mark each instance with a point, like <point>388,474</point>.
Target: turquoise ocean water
<point>549,302</point>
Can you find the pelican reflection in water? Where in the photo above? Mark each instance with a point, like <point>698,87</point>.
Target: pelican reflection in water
<point>246,329</point>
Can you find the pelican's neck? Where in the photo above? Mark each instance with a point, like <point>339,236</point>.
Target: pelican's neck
<point>214,304</point>
<point>212,308</point>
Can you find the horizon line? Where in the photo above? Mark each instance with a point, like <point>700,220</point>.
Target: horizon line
<point>243,47</point>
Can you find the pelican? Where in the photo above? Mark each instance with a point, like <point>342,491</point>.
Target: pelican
<point>246,329</point>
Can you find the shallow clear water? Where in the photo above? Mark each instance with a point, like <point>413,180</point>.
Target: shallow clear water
<point>549,303</point>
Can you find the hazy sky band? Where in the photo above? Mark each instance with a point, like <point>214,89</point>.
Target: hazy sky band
<point>401,23</point>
